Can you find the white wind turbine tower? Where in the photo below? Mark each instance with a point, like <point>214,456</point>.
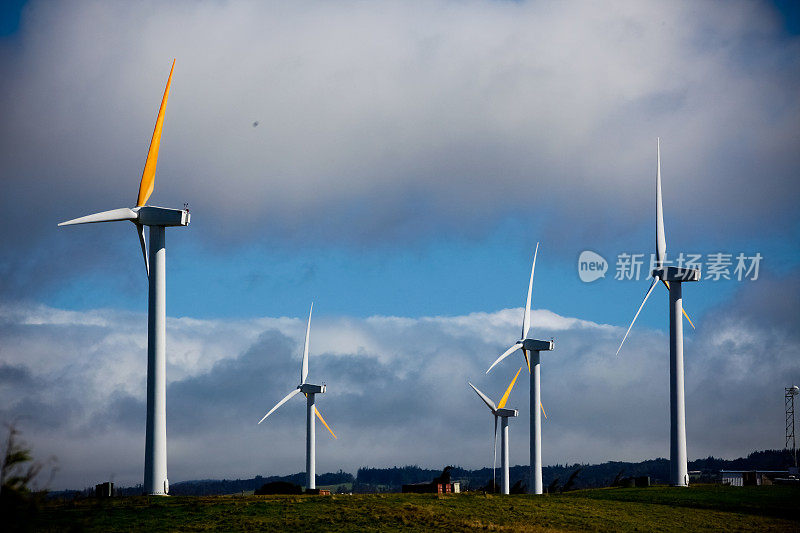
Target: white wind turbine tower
<point>309,390</point>
<point>499,411</point>
<point>534,368</point>
<point>671,277</point>
<point>156,218</point>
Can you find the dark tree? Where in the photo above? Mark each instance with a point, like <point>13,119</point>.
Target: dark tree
<point>445,476</point>
<point>19,499</point>
<point>570,484</point>
<point>279,487</point>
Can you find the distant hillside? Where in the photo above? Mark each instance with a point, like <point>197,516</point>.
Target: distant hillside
<point>207,487</point>
<point>369,479</point>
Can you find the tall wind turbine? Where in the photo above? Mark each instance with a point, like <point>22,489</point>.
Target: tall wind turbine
<point>311,410</point>
<point>499,411</point>
<point>672,278</point>
<point>534,368</point>
<point>156,218</point>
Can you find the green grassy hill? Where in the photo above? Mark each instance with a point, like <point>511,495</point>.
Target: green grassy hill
<point>698,508</point>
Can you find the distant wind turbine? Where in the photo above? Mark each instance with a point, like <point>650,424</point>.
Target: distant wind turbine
<point>309,390</point>
<point>156,218</point>
<point>672,277</point>
<point>499,411</point>
<point>534,368</point>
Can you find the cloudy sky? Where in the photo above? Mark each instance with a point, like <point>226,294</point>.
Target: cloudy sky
<point>407,158</point>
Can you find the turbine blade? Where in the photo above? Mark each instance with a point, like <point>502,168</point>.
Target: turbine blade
<point>687,318</point>
<point>527,360</point>
<point>666,284</point>
<point>526,319</point>
<point>140,232</point>
<point>543,411</point>
<point>319,415</point>
<point>504,399</point>
<point>494,464</point>
<point>304,368</point>
<point>646,296</point>
<point>105,216</point>
<point>489,403</point>
<point>285,399</point>
<point>508,352</point>
<point>661,240</point>
<point>149,174</point>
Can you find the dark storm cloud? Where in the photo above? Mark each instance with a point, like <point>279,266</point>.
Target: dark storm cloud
<point>391,122</point>
<point>234,384</point>
<point>14,375</point>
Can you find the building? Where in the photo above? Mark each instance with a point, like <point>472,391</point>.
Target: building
<point>435,488</point>
<point>104,490</point>
<point>745,478</point>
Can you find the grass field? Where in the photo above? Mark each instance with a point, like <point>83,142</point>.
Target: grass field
<point>697,508</point>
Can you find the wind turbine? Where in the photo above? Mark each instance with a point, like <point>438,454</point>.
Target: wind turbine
<point>156,218</point>
<point>499,411</point>
<point>309,390</point>
<point>671,277</point>
<point>534,368</point>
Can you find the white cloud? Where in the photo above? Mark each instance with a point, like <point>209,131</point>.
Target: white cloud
<point>397,389</point>
<point>385,120</point>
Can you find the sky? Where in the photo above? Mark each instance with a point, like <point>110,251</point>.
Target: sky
<point>396,163</point>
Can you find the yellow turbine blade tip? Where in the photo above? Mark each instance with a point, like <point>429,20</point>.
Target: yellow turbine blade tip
<point>149,174</point>
<point>543,411</point>
<point>687,318</point>
<point>504,399</point>
<point>325,423</point>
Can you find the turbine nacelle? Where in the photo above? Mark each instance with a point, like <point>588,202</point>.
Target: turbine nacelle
<point>307,388</point>
<point>506,413</point>
<point>676,274</point>
<point>163,216</point>
<point>534,345</point>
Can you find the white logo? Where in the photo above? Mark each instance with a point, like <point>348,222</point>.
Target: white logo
<point>591,266</point>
